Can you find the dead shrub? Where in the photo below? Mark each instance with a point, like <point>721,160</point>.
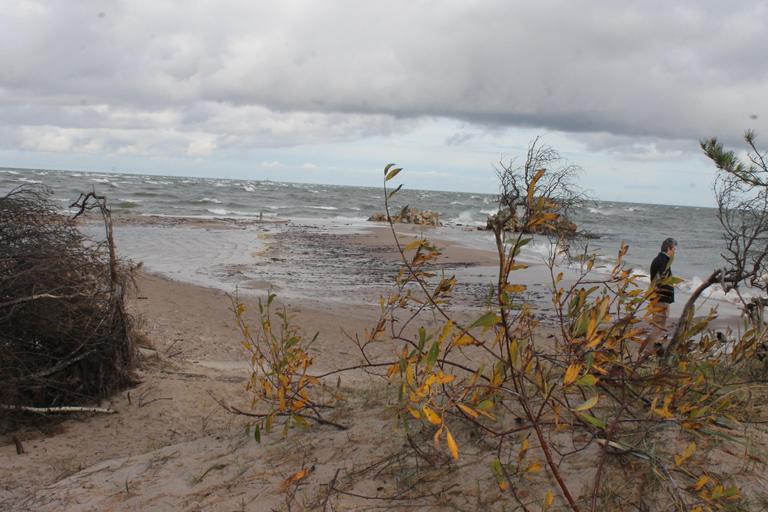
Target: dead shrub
<point>65,338</point>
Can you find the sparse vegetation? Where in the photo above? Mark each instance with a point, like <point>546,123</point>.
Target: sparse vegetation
<point>583,395</point>
<point>572,421</point>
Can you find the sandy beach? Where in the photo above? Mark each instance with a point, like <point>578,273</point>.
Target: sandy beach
<point>171,445</point>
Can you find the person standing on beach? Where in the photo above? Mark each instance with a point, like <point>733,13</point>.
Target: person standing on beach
<point>661,268</point>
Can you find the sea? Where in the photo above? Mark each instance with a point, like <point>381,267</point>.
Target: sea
<point>641,226</point>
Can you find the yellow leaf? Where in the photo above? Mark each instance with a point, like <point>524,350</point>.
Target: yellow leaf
<point>414,245</point>
<point>463,341</point>
<point>452,444</point>
<point>295,477</point>
<point>468,410</point>
<point>590,403</point>
<point>416,414</point>
<point>446,331</point>
<point>491,416</point>
<point>514,351</point>
<point>703,480</point>
<point>664,413</point>
<point>595,339</point>
<point>532,184</point>
<point>689,451</point>
<point>442,379</point>
<point>534,467</point>
<point>523,450</point>
<point>515,288</point>
<point>437,436</point>
<point>550,499</point>
<point>431,415</point>
<point>572,373</point>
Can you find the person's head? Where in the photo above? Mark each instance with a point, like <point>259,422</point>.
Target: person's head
<point>668,246</point>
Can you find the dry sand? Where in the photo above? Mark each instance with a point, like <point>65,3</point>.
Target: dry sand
<point>172,447</point>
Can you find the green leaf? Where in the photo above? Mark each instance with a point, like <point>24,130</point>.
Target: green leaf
<point>487,320</point>
<point>393,173</point>
<point>395,191</point>
<point>257,433</point>
<point>389,166</point>
<point>486,405</point>
<point>588,404</point>
<point>434,352</point>
<point>587,380</point>
<point>496,466</point>
<point>596,422</point>
<point>300,421</point>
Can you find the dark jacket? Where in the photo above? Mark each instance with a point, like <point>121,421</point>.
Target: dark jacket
<point>660,269</point>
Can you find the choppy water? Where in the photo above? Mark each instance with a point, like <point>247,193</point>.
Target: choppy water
<point>642,226</point>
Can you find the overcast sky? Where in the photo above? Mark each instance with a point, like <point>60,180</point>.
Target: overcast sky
<point>330,91</point>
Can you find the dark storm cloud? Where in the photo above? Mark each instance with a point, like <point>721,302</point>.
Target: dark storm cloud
<point>325,70</point>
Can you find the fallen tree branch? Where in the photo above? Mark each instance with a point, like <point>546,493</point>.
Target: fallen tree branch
<point>37,297</point>
<point>46,410</point>
<point>59,366</point>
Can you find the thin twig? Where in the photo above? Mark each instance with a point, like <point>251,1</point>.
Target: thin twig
<point>330,489</point>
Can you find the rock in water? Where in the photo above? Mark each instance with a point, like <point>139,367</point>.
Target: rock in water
<point>411,216</point>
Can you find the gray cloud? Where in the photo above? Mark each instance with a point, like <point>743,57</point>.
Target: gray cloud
<point>267,73</point>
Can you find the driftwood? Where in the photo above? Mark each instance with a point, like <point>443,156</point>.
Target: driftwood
<point>47,410</point>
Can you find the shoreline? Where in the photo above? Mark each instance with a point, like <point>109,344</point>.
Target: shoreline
<point>304,258</point>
